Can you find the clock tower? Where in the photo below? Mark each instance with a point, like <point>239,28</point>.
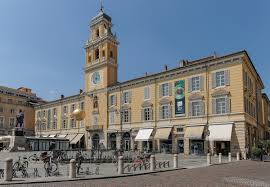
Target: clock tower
<point>100,73</point>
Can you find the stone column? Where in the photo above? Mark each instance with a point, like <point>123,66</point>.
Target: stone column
<point>72,168</point>
<point>152,163</point>
<point>8,169</point>
<point>244,155</point>
<point>175,161</point>
<point>158,145</point>
<point>186,147</point>
<point>229,157</point>
<point>208,159</point>
<point>220,158</point>
<point>118,140</point>
<point>120,165</point>
<point>237,156</point>
<point>131,143</point>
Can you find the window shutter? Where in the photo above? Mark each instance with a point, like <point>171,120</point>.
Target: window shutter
<point>129,96</point>
<point>129,115</point>
<point>214,106</point>
<point>190,109</point>
<point>189,84</point>
<point>160,112</point>
<point>201,83</point>
<point>170,111</point>
<point>170,89</point>
<point>142,114</point>
<point>227,77</point>
<point>228,105</point>
<point>151,113</point>
<point>202,108</point>
<point>213,80</point>
<point>160,91</point>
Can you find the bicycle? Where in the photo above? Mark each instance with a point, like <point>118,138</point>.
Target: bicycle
<point>20,166</point>
<point>50,165</point>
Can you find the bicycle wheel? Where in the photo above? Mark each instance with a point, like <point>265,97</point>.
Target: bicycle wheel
<point>33,159</point>
<point>16,166</point>
<point>53,167</point>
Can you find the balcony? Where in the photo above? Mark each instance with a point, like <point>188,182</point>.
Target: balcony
<point>94,128</point>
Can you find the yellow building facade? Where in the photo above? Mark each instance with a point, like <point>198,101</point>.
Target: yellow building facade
<point>212,104</point>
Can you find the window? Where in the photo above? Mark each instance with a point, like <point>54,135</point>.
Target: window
<point>1,122</point>
<point>112,100</point>
<point>11,122</point>
<point>73,107</point>
<point>111,54</point>
<point>103,53</point>
<point>72,123</point>
<point>95,102</point>
<point>82,105</point>
<point>43,113</point>
<point>64,125</point>
<point>196,108</point>
<point>9,101</point>
<point>112,117</point>
<point>165,89</point>
<point>195,82</point>
<point>12,111</point>
<point>180,129</point>
<point>126,97</point>
<point>126,116</point>
<point>54,113</point>
<point>1,109</point>
<point>146,93</point>
<point>82,123</point>
<point>54,124</point>
<point>65,110</point>
<point>165,112</point>
<point>220,78</point>
<point>147,114</point>
<point>97,54</point>
<point>97,32</point>
<point>95,120</point>
<point>221,105</point>
<point>20,102</point>
<point>49,120</point>
<point>89,58</point>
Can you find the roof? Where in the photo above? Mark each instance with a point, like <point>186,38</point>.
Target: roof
<point>264,95</point>
<point>101,15</point>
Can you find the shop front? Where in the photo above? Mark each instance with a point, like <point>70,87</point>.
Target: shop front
<point>164,138</point>
<point>194,136</point>
<point>220,135</point>
<point>144,137</point>
<point>126,141</point>
<point>112,141</point>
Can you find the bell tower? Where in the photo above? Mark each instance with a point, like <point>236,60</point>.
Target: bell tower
<point>100,73</point>
<point>101,54</point>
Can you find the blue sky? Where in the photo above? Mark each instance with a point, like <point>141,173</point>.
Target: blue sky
<point>41,42</point>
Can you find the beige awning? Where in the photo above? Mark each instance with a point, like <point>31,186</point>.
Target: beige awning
<point>144,135</point>
<point>220,132</point>
<point>163,133</point>
<point>70,137</point>
<point>61,135</point>
<point>77,138</point>
<point>194,133</point>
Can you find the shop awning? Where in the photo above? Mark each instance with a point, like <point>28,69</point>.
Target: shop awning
<point>163,133</point>
<point>70,137</point>
<point>77,139</point>
<point>52,135</point>
<point>61,135</point>
<point>220,132</point>
<point>194,133</point>
<point>143,134</point>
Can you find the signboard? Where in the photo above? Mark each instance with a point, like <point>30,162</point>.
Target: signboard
<point>180,98</point>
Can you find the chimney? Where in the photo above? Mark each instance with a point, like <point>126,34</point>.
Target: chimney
<point>62,96</point>
<point>166,67</point>
<point>81,91</point>
<point>183,63</point>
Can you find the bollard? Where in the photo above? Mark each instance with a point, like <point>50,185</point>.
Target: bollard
<point>244,155</point>
<point>208,159</point>
<point>237,156</point>
<point>152,163</point>
<point>220,158</point>
<point>120,165</point>
<point>229,157</point>
<point>8,169</point>
<point>72,168</point>
<point>175,161</point>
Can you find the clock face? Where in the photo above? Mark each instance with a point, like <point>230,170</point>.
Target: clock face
<point>96,78</point>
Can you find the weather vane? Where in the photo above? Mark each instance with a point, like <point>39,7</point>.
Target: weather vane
<point>101,5</point>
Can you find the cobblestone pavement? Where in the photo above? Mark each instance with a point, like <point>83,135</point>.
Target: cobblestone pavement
<point>243,173</point>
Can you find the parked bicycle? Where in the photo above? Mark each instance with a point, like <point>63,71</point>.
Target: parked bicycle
<point>20,165</point>
<point>50,164</point>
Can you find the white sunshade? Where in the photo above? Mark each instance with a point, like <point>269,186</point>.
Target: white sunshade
<point>220,132</point>
<point>77,139</point>
<point>52,135</point>
<point>194,132</point>
<point>143,134</point>
<point>62,135</point>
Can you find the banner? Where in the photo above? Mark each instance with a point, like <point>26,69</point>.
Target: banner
<point>180,98</point>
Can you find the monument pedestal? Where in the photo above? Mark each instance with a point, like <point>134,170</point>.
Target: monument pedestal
<point>17,132</point>
<point>18,141</point>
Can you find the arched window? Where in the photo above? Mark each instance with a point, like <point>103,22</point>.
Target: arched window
<point>95,102</point>
<point>97,32</point>
<point>111,54</point>
<point>97,53</point>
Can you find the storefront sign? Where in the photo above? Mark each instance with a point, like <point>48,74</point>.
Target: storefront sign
<point>180,98</point>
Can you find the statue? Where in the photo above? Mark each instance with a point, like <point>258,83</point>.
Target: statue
<point>20,119</point>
